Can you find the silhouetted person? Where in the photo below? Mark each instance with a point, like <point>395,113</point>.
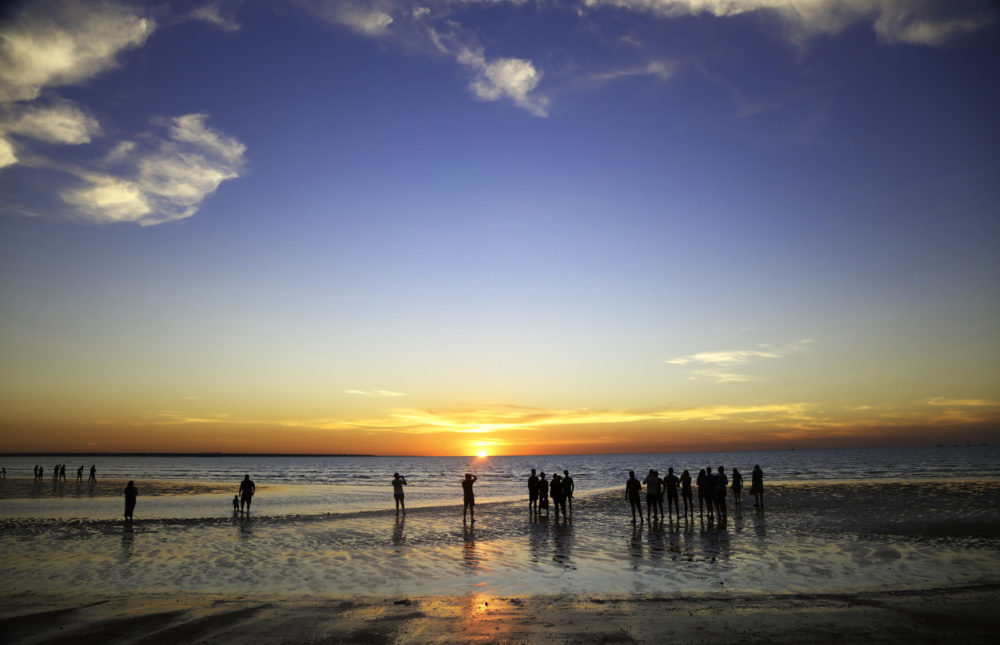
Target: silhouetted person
<point>633,488</point>
<point>686,493</point>
<point>737,486</point>
<point>41,473</point>
<point>721,484</point>
<point>706,492</point>
<point>247,489</point>
<point>3,473</point>
<point>398,481</point>
<point>558,494</point>
<point>93,474</point>
<point>79,475</point>
<point>568,488</point>
<point>652,483</point>
<point>671,483</point>
<point>533,492</point>
<point>55,473</point>
<point>62,472</point>
<point>700,482</point>
<point>757,487</point>
<point>236,504</point>
<point>543,494</point>
<point>130,494</point>
<point>468,497</point>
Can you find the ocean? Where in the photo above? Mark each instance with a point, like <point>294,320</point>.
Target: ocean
<point>303,485</point>
<point>835,521</point>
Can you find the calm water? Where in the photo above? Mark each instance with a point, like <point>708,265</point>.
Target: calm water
<point>311,485</point>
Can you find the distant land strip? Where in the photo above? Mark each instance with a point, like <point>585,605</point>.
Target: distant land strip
<point>175,454</point>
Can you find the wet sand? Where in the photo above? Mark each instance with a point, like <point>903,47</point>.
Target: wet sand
<point>965,615</point>
<point>888,562</point>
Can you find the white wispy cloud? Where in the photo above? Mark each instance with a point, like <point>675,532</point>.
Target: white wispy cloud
<point>375,393</point>
<point>371,18</point>
<point>221,13</point>
<point>62,42</point>
<point>658,69</point>
<point>498,78</point>
<point>720,363</point>
<point>941,401</point>
<point>53,43</point>
<point>59,121</point>
<point>165,180</point>
<point>919,22</point>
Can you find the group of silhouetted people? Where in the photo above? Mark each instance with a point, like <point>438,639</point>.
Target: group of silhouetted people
<point>560,489</point>
<point>711,487</point>
<point>59,473</point>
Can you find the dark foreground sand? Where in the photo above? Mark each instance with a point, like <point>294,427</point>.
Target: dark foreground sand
<point>965,615</point>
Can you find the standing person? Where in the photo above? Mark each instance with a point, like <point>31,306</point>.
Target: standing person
<point>397,492</point>
<point>670,483</point>
<point>79,475</point>
<point>757,486</point>
<point>543,494</point>
<point>469,498</point>
<point>93,474</point>
<point>686,493</point>
<point>62,472</point>
<point>568,488</point>
<point>130,494</point>
<point>632,489</point>
<point>721,484</point>
<point>652,483</point>
<point>558,493</point>
<point>533,493</point>
<point>247,489</point>
<point>701,482</point>
<point>708,493</point>
<point>737,486</point>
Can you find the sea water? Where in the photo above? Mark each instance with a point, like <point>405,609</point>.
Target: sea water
<point>304,485</point>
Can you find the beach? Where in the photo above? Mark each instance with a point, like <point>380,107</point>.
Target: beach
<point>888,561</point>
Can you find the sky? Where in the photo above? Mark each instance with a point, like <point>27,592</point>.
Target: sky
<point>495,227</point>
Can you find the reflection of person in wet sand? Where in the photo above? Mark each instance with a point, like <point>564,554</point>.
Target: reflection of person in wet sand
<point>468,497</point>
<point>130,494</point>
<point>757,486</point>
<point>247,489</point>
<point>533,492</point>
<point>632,489</point>
<point>398,481</point>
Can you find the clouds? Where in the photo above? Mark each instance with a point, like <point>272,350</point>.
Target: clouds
<point>501,78</point>
<point>915,22</point>
<point>56,43</point>
<point>163,178</point>
<point>53,44</point>
<point>720,366</point>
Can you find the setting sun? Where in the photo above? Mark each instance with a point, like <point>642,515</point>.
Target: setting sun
<point>482,454</point>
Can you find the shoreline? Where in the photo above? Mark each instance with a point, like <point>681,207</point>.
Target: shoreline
<point>912,616</point>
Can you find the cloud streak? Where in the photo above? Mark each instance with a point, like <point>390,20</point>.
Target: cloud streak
<point>720,363</point>
<point>164,180</point>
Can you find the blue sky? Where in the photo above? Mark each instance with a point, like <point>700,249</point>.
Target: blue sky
<point>514,226</point>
